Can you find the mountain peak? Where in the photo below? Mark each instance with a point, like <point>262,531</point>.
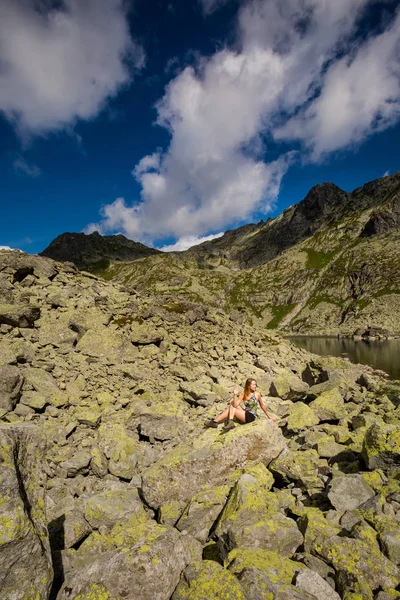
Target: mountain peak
<point>87,250</point>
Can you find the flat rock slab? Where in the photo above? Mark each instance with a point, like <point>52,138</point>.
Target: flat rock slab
<point>311,582</point>
<point>209,460</point>
<point>349,492</point>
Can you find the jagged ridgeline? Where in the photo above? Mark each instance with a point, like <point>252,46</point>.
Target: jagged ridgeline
<point>329,264</point>
<point>111,489</point>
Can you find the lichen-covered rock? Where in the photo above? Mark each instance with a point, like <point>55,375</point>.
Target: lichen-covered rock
<point>106,343</point>
<point>356,560</point>
<point>251,519</point>
<point>349,492</point>
<point>381,447</point>
<point>19,315</point>
<point>68,529</point>
<point>301,416</point>
<point>120,448</point>
<point>25,558</point>
<point>146,564</point>
<point>115,506</point>
<point>10,387</point>
<point>288,386</point>
<point>98,462</point>
<point>299,467</point>
<point>209,460</point>
<point>313,583</point>
<point>202,511</point>
<point>206,580</point>
<point>77,463</point>
<point>160,427</point>
<point>277,568</point>
<point>88,415</point>
<point>329,406</point>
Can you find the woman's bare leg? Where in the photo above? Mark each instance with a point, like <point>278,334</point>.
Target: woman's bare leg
<point>238,413</point>
<point>224,415</point>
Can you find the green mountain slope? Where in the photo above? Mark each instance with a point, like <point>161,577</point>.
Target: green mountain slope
<point>327,265</point>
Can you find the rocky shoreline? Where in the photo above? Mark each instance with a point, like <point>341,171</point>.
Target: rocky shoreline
<point>111,489</point>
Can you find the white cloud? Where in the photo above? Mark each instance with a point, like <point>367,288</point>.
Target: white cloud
<point>21,167</point>
<point>60,65</point>
<point>283,78</point>
<point>186,242</point>
<point>209,6</point>
<point>8,248</point>
<point>360,95</point>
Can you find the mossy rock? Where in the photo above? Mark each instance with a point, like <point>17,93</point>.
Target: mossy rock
<point>251,518</point>
<point>278,568</point>
<point>206,580</point>
<point>301,468</point>
<point>131,562</point>
<point>381,447</point>
<point>209,460</point>
<point>202,511</point>
<point>329,406</point>
<point>301,416</point>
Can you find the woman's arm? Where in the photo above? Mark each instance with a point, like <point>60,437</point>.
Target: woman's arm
<point>236,398</point>
<point>263,407</point>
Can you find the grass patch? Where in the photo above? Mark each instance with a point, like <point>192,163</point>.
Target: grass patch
<point>279,313</point>
<point>315,300</point>
<point>317,260</point>
<point>174,307</point>
<point>386,292</point>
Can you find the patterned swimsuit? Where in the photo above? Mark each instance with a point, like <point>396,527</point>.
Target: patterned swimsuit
<point>252,404</point>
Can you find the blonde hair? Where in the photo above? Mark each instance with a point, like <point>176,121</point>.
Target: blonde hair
<point>247,390</point>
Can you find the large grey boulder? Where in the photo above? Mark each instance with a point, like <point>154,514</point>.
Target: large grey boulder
<point>311,582</point>
<point>149,569</point>
<point>381,448</point>
<point>25,558</point>
<point>160,427</point>
<point>19,315</point>
<point>209,460</point>
<point>349,492</point>
<point>10,387</point>
<point>251,519</point>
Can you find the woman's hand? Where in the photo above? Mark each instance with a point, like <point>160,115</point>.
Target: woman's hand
<point>273,418</point>
<point>235,390</point>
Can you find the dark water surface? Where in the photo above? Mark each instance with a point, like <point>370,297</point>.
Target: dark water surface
<point>384,355</point>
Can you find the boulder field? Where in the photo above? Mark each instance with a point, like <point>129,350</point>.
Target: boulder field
<point>112,489</point>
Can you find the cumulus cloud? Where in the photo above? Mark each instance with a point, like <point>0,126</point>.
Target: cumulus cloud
<point>60,64</point>
<point>186,242</point>
<point>21,167</point>
<point>209,6</point>
<point>296,72</point>
<point>8,248</point>
<point>360,95</point>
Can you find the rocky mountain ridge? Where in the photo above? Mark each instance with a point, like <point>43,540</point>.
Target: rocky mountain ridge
<point>93,251</point>
<point>329,265</point>
<point>111,489</point>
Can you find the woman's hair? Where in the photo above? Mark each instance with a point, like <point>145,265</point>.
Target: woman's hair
<point>247,391</point>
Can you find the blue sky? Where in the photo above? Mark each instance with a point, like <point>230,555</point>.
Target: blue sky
<point>173,121</point>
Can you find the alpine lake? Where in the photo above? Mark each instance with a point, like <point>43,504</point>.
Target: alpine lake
<point>379,354</point>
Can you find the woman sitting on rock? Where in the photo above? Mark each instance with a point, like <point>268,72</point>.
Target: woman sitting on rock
<point>251,400</point>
